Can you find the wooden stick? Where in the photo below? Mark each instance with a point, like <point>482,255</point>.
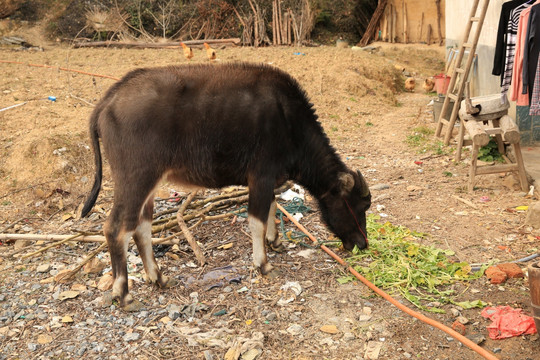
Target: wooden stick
<point>90,256</point>
<point>280,22</point>
<point>405,24</point>
<point>255,25</point>
<point>189,237</point>
<point>372,26</point>
<point>171,223</point>
<point>54,237</point>
<point>465,201</point>
<point>170,44</point>
<point>384,25</point>
<point>439,15</point>
<point>51,246</point>
<point>403,21</point>
<point>274,40</point>
<point>289,28</point>
<point>421,28</point>
<point>394,23</point>
<point>198,204</point>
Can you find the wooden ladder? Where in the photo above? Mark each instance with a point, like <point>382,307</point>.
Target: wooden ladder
<point>461,72</point>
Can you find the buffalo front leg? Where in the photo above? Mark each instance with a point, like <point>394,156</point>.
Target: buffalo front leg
<point>261,197</point>
<point>272,235</point>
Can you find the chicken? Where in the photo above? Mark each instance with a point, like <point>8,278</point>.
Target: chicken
<point>428,84</point>
<point>410,83</point>
<point>188,52</point>
<point>211,53</point>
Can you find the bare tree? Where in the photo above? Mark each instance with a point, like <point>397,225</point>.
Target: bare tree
<point>167,10</point>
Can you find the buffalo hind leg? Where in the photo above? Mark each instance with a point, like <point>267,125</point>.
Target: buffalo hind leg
<point>118,236</point>
<point>272,235</point>
<point>122,224</point>
<point>143,240</point>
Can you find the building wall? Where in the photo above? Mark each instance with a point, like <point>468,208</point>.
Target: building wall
<point>416,28</point>
<point>483,82</point>
<point>457,15</point>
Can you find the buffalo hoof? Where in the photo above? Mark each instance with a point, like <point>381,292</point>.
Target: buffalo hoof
<point>274,274</point>
<point>133,306</point>
<point>277,246</point>
<point>269,271</point>
<point>167,282</point>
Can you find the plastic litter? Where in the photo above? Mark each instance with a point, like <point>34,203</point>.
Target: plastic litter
<point>216,278</point>
<point>294,192</point>
<point>508,322</point>
<point>52,98</point>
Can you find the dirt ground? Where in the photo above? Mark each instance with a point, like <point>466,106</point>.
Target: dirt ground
<point>46,170</point>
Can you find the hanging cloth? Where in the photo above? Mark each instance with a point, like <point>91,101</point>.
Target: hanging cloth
<point>531,50</point>
<point>500,45</point>
<point>517,70</point>
<point>511,36</point>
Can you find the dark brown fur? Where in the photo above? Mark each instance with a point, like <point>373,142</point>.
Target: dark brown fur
<point>213,126</point>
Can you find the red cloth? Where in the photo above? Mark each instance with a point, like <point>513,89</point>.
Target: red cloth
<point>508,322</point>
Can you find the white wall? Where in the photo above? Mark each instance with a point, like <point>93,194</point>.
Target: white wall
<point>457,15</point>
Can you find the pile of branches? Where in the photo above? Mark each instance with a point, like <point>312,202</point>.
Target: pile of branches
<point>8,7</point>
<point>257,22</point>
<point>169,227</point>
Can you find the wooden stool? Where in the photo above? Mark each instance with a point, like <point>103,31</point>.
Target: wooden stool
<point>481,108</point>
<point>506,130</point>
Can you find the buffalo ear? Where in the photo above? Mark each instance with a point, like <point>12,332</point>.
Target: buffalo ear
<point>346,182</point>
<point>363,185</point>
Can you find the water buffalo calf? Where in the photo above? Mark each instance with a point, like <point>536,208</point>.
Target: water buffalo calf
<point>213,126</point>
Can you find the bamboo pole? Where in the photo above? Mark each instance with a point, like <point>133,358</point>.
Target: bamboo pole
<point>403,31</point>
<point>394,23</point>
<point>69,275</point>
<point>56,237</point>
<point>280,22</point>
<point>405,25</point>
<point>439,15</point>
<point>421,28</point>
<point>52,245</point>
<point>274,40</point>
<point>384,26</point>
<point>372,26</point>
<point>288,21</point>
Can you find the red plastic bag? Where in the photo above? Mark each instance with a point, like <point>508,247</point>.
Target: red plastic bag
<point>508,322</point>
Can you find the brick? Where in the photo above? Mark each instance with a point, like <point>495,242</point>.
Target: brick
<point>459,327</point>
<point>512,270</point>
<point>495,275</point>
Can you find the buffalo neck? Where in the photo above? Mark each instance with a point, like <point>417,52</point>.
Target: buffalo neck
<point>319,165</point>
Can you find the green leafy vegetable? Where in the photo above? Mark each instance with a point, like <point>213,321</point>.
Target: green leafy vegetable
<point>419,273</point>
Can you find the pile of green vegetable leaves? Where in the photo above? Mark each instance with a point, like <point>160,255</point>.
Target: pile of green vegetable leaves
<point>398,264</point>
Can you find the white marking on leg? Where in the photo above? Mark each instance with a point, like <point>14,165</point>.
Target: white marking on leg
<point>118,285</point>
<point>144,231</point>
<point>257,234</point>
